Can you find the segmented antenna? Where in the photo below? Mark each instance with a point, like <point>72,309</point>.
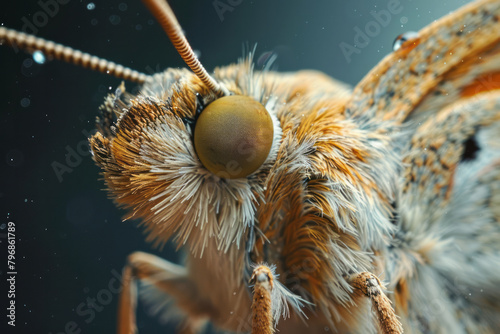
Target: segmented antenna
<point>165,16</point>
<point>32,43</point>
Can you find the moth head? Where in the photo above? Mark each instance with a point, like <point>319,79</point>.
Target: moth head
<point>191,165</point>
<point>190,153</point>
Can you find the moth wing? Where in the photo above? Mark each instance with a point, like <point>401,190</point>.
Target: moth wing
<point>447,248</point>
<point>452,58</point>
<point>443,87</point>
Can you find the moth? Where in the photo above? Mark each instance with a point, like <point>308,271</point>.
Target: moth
<point>389,191</point>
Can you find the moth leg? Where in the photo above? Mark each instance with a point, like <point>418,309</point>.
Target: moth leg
<point>168,281</point>
<point>369,285</point>
<point>262,317</point>
<point>127,304</point>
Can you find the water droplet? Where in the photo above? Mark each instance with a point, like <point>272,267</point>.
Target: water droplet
<point>28,62</point>
<point>14,158</point>
<point>91,6</point>
<point>399,41</point>
<point>94,22</point>
<point>39,57</point>
<point>138,27</point>
<point>115,19</point>
<point>25,102</point>
<point>123,6</point>
<point>3,226</point>
<point>403,20</point>
<point>30,66</point>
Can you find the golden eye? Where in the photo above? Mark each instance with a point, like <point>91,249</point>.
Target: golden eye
<point>233,136</point>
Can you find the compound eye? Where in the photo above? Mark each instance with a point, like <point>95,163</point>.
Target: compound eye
<point>233,136</point>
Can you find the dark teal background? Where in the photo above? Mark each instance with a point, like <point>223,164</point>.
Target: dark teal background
<point>70,236</point>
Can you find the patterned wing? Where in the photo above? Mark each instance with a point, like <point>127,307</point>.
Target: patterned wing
<point>443,87</point>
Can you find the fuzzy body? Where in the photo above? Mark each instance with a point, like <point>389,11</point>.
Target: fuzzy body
<point>391,178</point>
